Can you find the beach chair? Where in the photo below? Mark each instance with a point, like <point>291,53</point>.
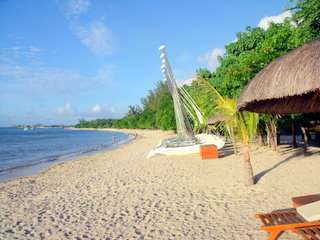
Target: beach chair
<point>277,222</point>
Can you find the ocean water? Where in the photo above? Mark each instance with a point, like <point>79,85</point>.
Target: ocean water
<point>28,152</point>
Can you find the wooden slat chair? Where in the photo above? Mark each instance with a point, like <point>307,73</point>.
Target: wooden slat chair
<point>277,222</point>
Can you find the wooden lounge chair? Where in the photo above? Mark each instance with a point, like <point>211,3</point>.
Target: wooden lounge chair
<point>277,222</point>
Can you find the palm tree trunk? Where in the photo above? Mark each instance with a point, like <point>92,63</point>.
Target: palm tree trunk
<point>260,139</point>
<point>305,139</point>
<point>234,142</point>
<point>272,135</point>
<point>275,138</point>
<point>268,136</point>
<point>248,166</point>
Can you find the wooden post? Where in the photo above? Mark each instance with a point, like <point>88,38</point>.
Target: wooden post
<point>317,138</point>
<point>275,136</point>
<point>305,139</point>
<point>278,139</point>
<point>293,132</point>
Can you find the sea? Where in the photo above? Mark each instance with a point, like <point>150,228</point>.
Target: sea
<point>27,152</point>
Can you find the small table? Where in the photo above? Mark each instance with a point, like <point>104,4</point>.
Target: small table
<point>302,200</point>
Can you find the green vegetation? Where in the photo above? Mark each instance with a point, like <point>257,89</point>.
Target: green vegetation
<point>216,92</point>
<point>239,126</point>
<point>244,58</point>
<point>156,112</point>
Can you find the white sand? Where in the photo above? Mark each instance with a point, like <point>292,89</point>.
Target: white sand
<point>122,195</point>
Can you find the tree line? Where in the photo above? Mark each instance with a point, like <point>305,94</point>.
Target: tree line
<point>244,58</point>
<point>156,112</point>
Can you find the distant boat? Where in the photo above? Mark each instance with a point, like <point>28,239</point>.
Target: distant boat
<point>25,128</point>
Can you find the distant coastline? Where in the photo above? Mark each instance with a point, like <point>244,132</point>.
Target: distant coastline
<point>42,126</point>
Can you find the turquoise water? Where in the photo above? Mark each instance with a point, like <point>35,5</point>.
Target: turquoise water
<point>27,152</point>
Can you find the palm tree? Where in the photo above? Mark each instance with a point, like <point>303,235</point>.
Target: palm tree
<point>247,124</point>
<point>227,107</point>
<point>244,125</point>
<point>239,126</point>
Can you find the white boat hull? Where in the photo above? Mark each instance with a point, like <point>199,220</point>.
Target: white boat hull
<point>203,140</point>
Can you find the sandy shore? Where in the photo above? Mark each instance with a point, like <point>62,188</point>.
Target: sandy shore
<point>122,195</point>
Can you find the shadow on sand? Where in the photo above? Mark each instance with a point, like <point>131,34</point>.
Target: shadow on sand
<point>295,152</point>
<point>227,150</point>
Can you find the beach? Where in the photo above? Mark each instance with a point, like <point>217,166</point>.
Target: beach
<point>120,194</point>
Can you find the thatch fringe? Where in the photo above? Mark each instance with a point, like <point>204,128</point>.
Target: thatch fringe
<point>289,84</point>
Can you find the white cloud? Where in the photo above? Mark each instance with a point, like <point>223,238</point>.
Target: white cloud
<point>265,22</point>
<point>29,54</point>
<point>99,111</point>
<point>212,58</point>
<point>20,72</point>
<point>34,49</point>
<point>96,109</point>
<point>104,73</point>
<point>13,71</point>
<point>77,7</point>
<point>38,81</point>
<point>235,40</point>
<point>96,36</point>
<point>42,78</point>
<point>65,110</point>
<point>187,81</point>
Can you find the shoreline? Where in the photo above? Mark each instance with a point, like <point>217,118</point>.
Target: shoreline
<point>33,169</point>
<point>120,194</point>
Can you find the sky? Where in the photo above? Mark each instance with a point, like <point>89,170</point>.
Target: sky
<point>65,60</point>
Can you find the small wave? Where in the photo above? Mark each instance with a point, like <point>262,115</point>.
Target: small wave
<point>29,164</point>
<point>67,156</point>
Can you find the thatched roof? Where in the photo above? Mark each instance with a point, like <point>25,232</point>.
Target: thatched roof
<point>217,118</point>
<point>289,84</point>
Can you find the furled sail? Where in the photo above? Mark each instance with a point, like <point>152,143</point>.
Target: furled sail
<point>184,130</point>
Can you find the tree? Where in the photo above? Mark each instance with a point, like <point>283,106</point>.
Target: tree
<point>307,17</point>
<point>240,126</point>
<point>247,125</point>
<point>134,110</point>
<point>244,58</point>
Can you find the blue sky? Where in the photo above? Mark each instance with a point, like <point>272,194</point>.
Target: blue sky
<point>65,60</point>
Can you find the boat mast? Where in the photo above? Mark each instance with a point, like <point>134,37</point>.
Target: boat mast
<point>184,129</point>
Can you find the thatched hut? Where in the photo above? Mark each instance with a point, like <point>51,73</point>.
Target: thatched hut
<point>289,84</point>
